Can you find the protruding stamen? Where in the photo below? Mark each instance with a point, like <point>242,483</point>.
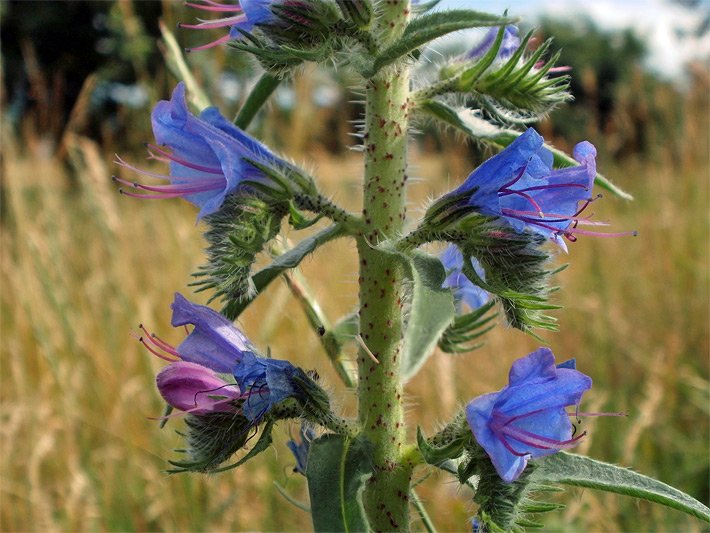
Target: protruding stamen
<point>212,44</point>
<point>173,190</point>
<point>214,24</point>
<point>214,6</point>
<point>172,157</point>
<point>505,192</point>
<point>156,352</point>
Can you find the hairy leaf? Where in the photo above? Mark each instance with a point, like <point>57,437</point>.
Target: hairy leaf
<point>336,473</point>
<point>581,471</point>
<point>428,27</point>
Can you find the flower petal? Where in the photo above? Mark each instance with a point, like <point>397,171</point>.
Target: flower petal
<point>214,342</point>
<point>195,388</point>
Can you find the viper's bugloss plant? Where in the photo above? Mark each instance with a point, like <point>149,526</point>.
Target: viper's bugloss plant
<point>498,224</point>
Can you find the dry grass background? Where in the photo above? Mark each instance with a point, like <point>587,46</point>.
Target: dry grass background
<point>82,267</point>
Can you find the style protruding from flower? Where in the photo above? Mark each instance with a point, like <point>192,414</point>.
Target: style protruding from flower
<point>237,16</point>
<point>206,154</point>
<point>465,291</point>
<point>194,382</point>
<point>527,419</point>
<point>508,46</point>
<point>520,186</point>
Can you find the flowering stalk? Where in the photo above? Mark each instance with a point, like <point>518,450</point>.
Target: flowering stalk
<point>380,392</point>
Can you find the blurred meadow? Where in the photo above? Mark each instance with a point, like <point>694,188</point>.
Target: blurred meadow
<point>82,267</point>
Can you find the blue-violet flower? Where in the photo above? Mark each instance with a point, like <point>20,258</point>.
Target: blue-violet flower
<point>465,291</point>
<point>520,185</point>
<point>207,155</point>
<point>527,418</point>
<point>241,16</point>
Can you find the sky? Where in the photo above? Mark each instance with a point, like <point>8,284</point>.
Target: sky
<point>656,22</point>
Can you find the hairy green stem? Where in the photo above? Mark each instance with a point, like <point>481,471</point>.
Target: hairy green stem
<point>380,408</point>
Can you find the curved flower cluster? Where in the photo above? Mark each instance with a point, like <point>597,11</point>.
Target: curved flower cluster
<point>194,381</point>
<point>207,156</point>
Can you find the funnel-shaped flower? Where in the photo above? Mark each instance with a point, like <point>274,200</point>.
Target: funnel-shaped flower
<point>206,156</point>
<point>520,185</point>
<point>239,16</point>
<point>465,292</point>
<point>527,418</point>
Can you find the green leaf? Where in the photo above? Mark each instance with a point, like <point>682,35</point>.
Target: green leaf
<point>581,471</point>
<point>428,27</point>
<point>336,473</point>
<point>288,260</point>
<point>257,97</point>
<point>466,121</point>
<point>430,312</point>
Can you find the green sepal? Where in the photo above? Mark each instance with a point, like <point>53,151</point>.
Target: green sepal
<point>516,267</point>
<point>261,445</point>
<point>426,28</point>
<point>337,469</point>
<point>236,234</point>
<point>358,11</point>
<point>212,439</point>
<point>280,264</point>
<point>580,471</point>
<point>298,220</point>
<point>536,507</point>
<point>435,455</point>
<point>465,121</point>
<point>466,328</point>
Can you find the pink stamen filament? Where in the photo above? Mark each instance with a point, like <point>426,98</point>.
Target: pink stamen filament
<point>173,157</point>
<point>578,414</point>
<point>212,44</point>
<point>538,441</point>
<point>215,7</point>
<point>155,352</point>
<point>214,24</point>
<point>173,190</point>
<point>516,178</point>
<point>160,343</point>
<point>542,187</point>
<point>553,217</point>
<point>505,192</point>
<point>509,447</point>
